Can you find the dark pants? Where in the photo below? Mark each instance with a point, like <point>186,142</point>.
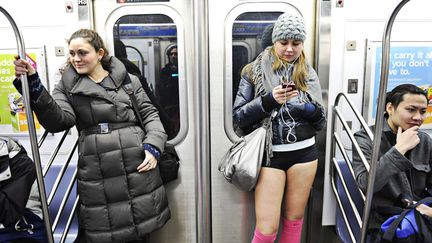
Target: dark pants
<point>373,236</point>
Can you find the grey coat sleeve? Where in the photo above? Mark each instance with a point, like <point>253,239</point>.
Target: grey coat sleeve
<point>248,110</point>
<point>314,86</point>
<point>390,163</point>
<point>55,113</point>
<point>315,95</point>
<point>155,133</point>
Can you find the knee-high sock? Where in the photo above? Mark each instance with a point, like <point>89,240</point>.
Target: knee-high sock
<point>291,231</point>
<point>260,238</point>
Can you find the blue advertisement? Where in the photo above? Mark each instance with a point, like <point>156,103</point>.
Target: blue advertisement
<point>140,31</point>
<point>244,28</point>
<point>408,64</point>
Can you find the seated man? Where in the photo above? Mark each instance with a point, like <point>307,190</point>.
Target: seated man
<point>20,216</point>
<point>405,157</point>
<point>18,173</point>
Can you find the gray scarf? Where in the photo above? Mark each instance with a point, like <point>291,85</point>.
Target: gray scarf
<point>266,79</point>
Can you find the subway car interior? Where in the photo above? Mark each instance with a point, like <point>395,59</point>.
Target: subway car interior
<point>189,56</point>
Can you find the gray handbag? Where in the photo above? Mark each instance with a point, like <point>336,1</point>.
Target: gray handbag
<point>242,163</point>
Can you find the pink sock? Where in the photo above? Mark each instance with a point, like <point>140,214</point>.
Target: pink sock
<point>291,231</point>
<point>260,238</point>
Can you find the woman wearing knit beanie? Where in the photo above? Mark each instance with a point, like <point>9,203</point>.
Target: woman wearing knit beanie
<point>280,81</point>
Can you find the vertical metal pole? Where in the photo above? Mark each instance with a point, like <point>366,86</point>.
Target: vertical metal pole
<point>202,131</point>
<point>385,59</point>
<point>32,129</point>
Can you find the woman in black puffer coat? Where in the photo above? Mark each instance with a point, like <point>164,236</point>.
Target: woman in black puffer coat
<point>121,193</point>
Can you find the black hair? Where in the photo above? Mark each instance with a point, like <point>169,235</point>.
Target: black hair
<point>119,49</point>
<point>395,96</point>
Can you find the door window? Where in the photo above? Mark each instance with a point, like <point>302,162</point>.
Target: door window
<point>248,29</point>
<point>147,45</point>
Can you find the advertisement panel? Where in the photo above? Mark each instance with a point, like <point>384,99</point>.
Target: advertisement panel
<point>12,113</point>
<point>410,62</point>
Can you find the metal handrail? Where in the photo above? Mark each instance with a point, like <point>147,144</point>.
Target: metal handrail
<point>65,198</point>
<point>336,141</point>
<point>379,117</point>
<point>345,155</point>
<point>141,57</point>
<point>344,184</point>
<point>341,205</point>
<point>202,121</point>
<point>68,190</point>
<point>61,173</point>
<point>342,209</point>
<point>351,137</point>
<point>32,129</point>
<point>54,153</point>
<point>356,113</point>
<point>42,139</point>
<point>69,221</point>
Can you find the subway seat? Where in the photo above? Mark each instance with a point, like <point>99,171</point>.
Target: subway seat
<point>341,227</point>
<point>50,178</point>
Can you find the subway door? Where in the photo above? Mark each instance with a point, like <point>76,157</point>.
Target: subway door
<point>233,217</point>
<point>150,31</point>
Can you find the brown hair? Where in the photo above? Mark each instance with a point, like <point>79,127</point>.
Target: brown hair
<point>93,38</point>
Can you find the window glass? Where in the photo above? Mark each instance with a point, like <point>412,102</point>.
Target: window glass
<point>248,42</point>
<point>240,58</point>
<point>147,45</point>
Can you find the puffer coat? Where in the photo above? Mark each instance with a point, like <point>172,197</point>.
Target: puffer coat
<point>117,203</point>
<point>249,112</point>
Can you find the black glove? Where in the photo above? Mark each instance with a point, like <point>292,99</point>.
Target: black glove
<point>35,85</point>
<point>300,109</point>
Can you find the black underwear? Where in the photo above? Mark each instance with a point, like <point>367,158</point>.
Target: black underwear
<point>284,160</point>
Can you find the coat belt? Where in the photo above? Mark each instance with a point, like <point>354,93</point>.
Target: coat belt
<point>103,128</point>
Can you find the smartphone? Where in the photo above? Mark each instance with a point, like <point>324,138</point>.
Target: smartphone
<point>289,85</point>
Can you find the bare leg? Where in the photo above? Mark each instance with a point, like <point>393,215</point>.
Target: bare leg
<point>299,181</point>
<point>268,199</point>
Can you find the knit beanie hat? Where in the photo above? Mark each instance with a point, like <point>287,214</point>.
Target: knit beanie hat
<point>289,26</point>
<point>266,38</point>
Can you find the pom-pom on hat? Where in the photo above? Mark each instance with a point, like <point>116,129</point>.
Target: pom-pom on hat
<point>289,26</point>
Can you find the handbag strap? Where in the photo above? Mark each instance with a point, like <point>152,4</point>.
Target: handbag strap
<point>391,231</point>
<point>127,86</point>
